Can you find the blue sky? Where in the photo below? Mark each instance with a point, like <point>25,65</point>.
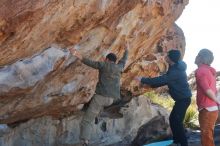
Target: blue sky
<point>200,22</point>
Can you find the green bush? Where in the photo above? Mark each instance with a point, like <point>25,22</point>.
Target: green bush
<point>191,117</point>
<point>164,101</point>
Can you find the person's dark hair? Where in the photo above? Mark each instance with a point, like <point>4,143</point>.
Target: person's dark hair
<point>174,55</point>
<point>112,57</point>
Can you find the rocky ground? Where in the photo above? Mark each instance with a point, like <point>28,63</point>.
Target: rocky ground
<point>193,138</point>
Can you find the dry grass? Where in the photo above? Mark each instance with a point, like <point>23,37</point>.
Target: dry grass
<point>191,117</point>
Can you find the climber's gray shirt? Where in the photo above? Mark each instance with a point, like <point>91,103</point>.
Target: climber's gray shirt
<point>109,76</point>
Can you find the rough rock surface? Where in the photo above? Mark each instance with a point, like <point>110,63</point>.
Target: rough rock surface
<point>38,76</point>
<point>155,129</point>
<point>49,132</point>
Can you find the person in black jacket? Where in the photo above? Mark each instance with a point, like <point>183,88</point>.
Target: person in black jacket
<point>176,80</point>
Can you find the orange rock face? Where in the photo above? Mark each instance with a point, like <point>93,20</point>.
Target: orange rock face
<point>39,77</point>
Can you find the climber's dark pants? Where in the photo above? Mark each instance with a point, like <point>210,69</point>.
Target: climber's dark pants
<point>176,121</point>
<point>97,104</point>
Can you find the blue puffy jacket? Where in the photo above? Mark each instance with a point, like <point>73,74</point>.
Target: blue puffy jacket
<point>175,78</point>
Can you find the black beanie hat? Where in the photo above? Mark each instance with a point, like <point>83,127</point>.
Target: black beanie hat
<point>112,57</point>
<point>174,55</point>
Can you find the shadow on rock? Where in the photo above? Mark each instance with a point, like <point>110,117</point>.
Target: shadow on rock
<point>156,129</point>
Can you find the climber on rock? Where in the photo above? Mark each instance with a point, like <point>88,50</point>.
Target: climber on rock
<point>107,89</point>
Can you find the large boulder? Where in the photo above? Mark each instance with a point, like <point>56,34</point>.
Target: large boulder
<point>42,84</point>
<point>47,131</point>
<point>38,76</point>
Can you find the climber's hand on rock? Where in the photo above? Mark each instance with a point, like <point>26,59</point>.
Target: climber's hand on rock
<point>75,53</point>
